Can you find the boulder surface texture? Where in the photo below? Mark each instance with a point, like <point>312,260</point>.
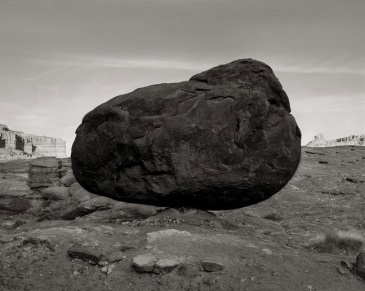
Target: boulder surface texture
<point>224,139</point>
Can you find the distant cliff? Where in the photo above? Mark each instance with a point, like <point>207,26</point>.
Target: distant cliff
<point>319,141</point>
<point>14,144</point>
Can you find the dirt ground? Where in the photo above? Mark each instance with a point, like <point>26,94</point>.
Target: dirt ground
<point>262,247</point>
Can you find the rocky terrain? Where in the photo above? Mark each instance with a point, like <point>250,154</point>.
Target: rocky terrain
<point>320,141</point>
<point>16,144</point>
<point>54,235</point>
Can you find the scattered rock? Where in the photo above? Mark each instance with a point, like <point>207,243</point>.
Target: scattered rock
<point>360,264</point>
<point>189,269</point>
<point>68,180</point>
<point>115,257</point>
<point>347,265</point>
<point>107,269</point>
<point>212,266</point>
<point>102,263</point>
<point>267,252</point>
<point>209,280</point>
<point>352,179</point>
<point>144,263</point>
<point>38,241</point>
<point>72,212</point>
<point>166,265</point>
<point>90,255</point>
<point>55,193</point>
<point>342,271</point>
<point>74,188</point>
<point>224,139</point>
<point>126,247</point>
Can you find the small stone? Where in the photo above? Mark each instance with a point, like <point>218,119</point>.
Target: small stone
<point>75,273</point>
<point>212,266</point>
<point>84,253</point>
<point>164,266</point>
<point>342,271</point>
<point>106,270</point>
<point>102,263</point>
<point>115,257</point>
<point>360,264</point>
<point>209,280</point>
<point>144,263</point>
<point>347,265</point>
<point>267,252</point>
<point>109,270</point>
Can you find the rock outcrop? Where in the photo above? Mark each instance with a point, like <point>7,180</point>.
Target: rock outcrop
<point>224,139</point>
<point>18,144</point>
<point>320,141</point>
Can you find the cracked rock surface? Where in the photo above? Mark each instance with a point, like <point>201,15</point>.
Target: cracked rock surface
<point>224,139</point>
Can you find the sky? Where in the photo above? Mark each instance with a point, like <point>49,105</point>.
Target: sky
<point>61,59</point>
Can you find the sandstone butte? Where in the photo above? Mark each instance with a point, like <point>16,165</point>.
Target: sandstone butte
<point>224,139</point>
<point>16,144</point>
<point>351,140</point>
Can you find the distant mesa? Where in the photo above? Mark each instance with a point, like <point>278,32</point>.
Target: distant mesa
<point>224,139</point>
<point>354,140</point>
<point>17,144</point>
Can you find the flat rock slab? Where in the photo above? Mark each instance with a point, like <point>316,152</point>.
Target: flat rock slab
<point>212,266</point>
<point>45,162</point>
<point>144,263</point>
<point>115,257</point>
<point>90,255</point>
<point>224,139</point>
<point>166,265</point>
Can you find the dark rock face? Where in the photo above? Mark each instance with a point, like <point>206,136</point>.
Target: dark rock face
<point>222,140</point>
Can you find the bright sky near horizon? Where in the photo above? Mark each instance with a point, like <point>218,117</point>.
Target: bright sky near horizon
<point>60,59</point>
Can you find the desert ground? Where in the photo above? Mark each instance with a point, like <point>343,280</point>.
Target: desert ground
<point>278,244</point>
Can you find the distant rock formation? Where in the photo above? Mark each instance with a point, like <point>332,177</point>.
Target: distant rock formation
<point>319,141</point>
<point>16,144</point>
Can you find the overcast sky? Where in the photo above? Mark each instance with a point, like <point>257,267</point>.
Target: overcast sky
<point>60,59</point>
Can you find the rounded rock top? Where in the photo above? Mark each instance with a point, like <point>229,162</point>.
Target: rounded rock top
<point>224,139</point>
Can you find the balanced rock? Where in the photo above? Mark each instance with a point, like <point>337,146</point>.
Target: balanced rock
<point>224,139</point>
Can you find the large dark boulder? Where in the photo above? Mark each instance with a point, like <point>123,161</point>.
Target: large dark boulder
<point>222,140</point>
